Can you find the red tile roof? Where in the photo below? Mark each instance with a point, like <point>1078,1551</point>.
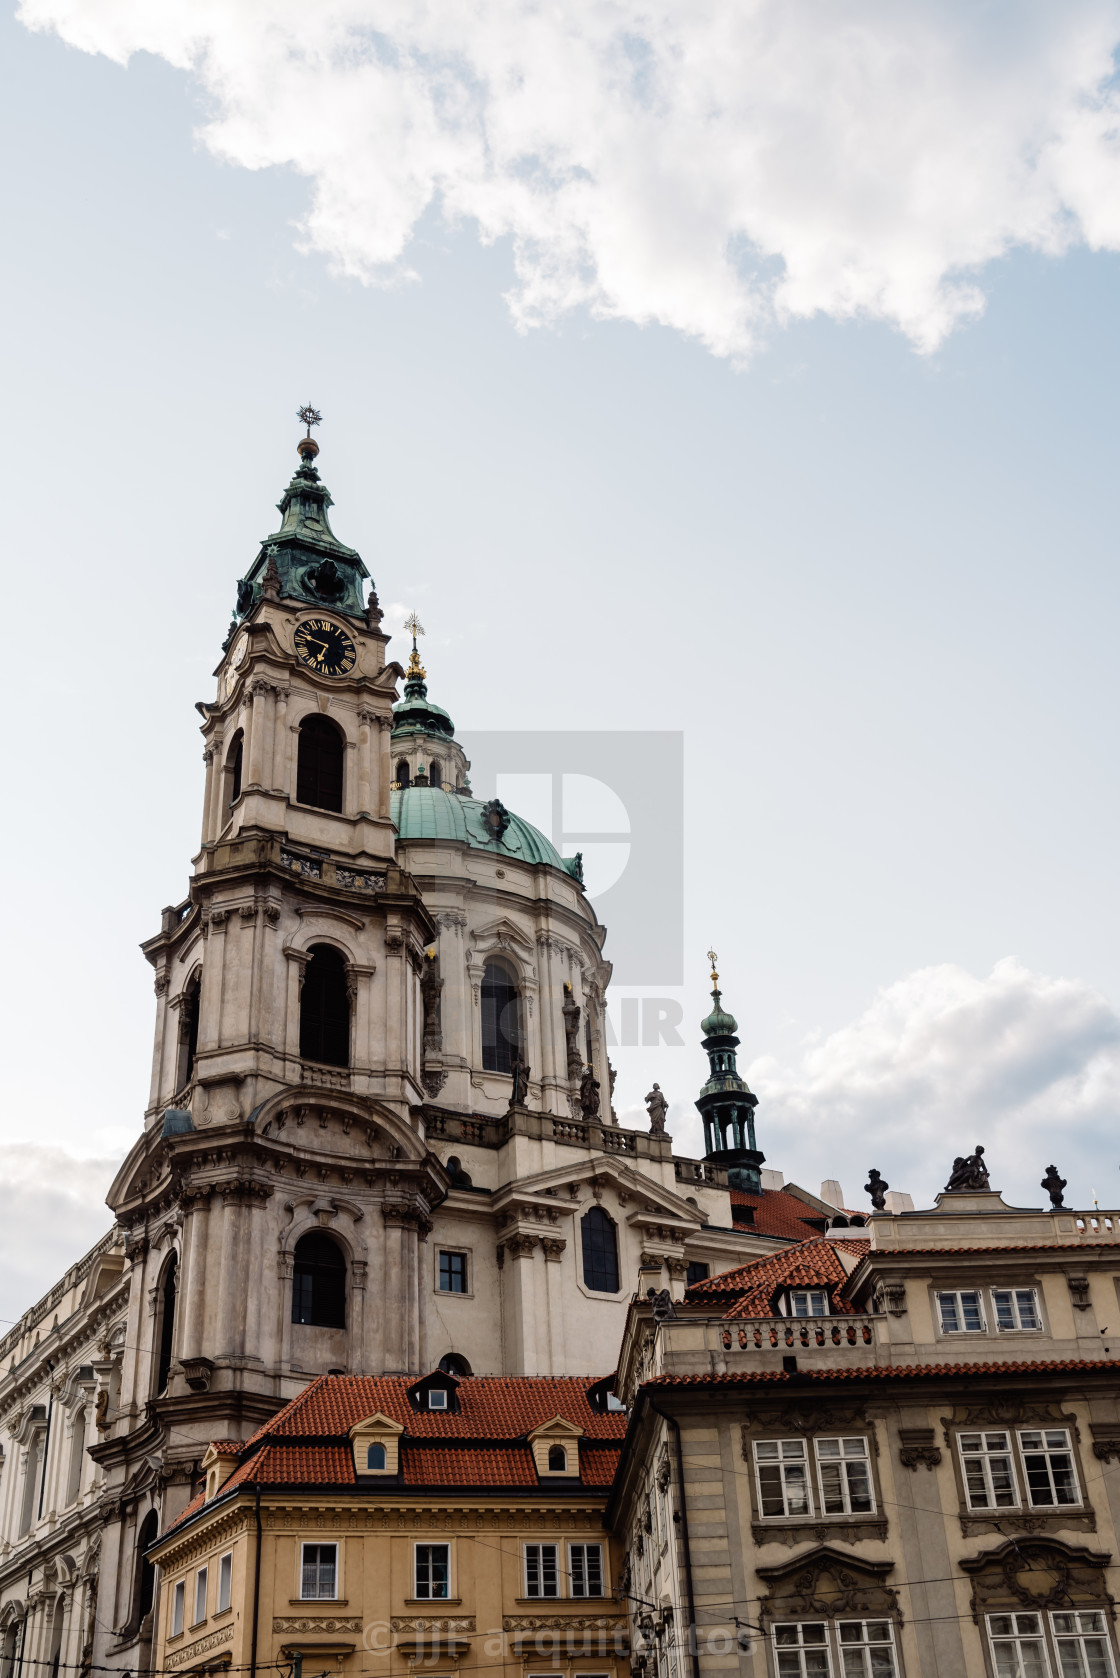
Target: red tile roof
<point>428,1466</point>
<point>1094,1244</point>
<point>878,1372</point>
<point>490,1407</point>
<point>749,1290</point>
<point>777,1213</point>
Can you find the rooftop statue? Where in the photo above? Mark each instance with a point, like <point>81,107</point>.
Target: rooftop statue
<point>969,1173</point>
<point>658,1108</point>
<point>877,1187</point>
<point>589,1094</point>
<point>1054,1185</point>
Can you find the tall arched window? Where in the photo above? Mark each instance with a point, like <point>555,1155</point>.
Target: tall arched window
<point>375,1457</point>
<point>453,1363</point>
<point>188,1030</point>
<point>402,773</point>
<point>557,1459</point>
<point>600,1251</point>
<point>146,1572</point>
<point>166,1324</point>
<point>319,1282</point>
<point>234,759</point>
<point>319,763</point>
<point>501,1023</point>
<point>435,774</point>
<point>8,1652</point>
<point>324,1008</point>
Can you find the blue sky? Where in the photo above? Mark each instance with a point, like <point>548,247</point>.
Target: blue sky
<point>872,580</point>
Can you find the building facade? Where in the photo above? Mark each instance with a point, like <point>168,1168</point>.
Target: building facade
<point>379,1138</point>
<point>376,1524</point>
<point>871,1456</point>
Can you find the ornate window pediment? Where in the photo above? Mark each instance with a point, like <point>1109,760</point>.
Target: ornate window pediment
<point>826,1584</point>
<point>1038,1573</point>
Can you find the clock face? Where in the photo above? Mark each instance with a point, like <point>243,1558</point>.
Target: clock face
<point>240,648</point>
<point>324,647</point>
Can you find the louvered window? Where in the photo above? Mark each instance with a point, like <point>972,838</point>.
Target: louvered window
<point>319,764</point>
<point>324,1008</point>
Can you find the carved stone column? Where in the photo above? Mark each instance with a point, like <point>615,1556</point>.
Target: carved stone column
<point>516,1261</point>
<point>367,727</point>
<point>553,1248</point>
<point>192,1279</point>
<point>263,700</point>
<point>384,767</point>
<point>280,734</point>
<point>208,760</point>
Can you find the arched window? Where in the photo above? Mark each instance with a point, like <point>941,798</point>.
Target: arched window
<point>600,1251</point>
<point>58,1620</point>
<point>8,1653</point>
<point>324,1008</point>
<point>375,1457</point>
<point>146,1574</point>
<point>188,1030</point>
<point>453,1364</point>
<point>435,774</point>
<point>166,1324</point>
<point>402,773</point>
<point>557,1459</point>
<point>501,1025</point>
<point>234,759</point>
<point>77,1456</point>
<point>319,1283</point>
<point>319,763</point>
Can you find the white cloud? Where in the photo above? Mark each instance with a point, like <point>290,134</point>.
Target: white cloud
<point>1027,1065</point>
<point>713,165</point>
<point>53,1211</point>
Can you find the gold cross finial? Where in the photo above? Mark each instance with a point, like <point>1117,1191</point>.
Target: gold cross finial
<point>415,627</point>
<point>713,958</point>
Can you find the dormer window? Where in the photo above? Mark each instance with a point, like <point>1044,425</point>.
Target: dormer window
<point>375,1458</point>
<point>557,1459</point>
<point>437,1398</point>
<point>808,1302</point>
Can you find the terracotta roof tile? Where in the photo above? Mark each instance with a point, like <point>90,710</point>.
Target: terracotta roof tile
<point>871,1372</point>
<point>1093,1244</point>
<point>749,1290</point>
<point>490,1407</point>
<point>427,1465</point>
<point>777,1213</point>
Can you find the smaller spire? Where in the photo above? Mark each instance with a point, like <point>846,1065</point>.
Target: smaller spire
<point>416,671</point>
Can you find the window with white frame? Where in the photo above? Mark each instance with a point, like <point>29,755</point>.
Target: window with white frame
<point>782,1469</point>
<point>1018,1646</point>
<point>989,1477</point>
<point>866,1649</point>
<point>801,1649</point>
<point>542,1573</point>
<point>808,1302</point>
<point>178,1607</point>
<point>433,1571</point>
<point>585,1567</point>
<point>319,1572</point>
<point>1016,1308</point>
<point>225,1582</point>
<point>844,1476</point>
<point>962,1312</point>
<point>199,1596</point>
<point>852,1648</point>
<point>437,1398</point>
<point>1082,1645</point>
<point>1047,1457</point>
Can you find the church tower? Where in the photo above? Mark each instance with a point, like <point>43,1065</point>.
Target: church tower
<point>725,1103</point>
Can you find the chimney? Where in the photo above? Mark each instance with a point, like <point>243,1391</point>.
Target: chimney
<point>897,1201</point>
<point>832,1194</point>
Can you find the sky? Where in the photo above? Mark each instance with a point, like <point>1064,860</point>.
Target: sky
<point>744,371</point>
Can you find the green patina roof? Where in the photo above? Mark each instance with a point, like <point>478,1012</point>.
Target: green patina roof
<point>718,1023</point>
<point>432,813</point>
<point>311,564</point>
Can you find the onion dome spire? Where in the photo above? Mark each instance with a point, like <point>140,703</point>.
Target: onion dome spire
<point>725,1103</point>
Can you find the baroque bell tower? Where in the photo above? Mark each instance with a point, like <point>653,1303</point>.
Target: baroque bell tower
<point>277,1202</point>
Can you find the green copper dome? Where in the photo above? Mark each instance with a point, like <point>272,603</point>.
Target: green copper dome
<point>432,813</point>
<point>717,1023</point>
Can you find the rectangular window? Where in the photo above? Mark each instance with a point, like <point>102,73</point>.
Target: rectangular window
<point>199,1596</point>
<point>433,1571</point>
<point>810,1302</point>
<point>1016,1308</point>
<point>866,1649</point>
<point>801,1650</point>
<point>541,1572</point>
<point>178,1600</point>
<point>697,1272</point>
<point>225,1582</point>
<point>453,1273</point>
<point>988,1475</point>
<point>586,1569</point>
<point>1048,1467</point>
<point>961,1313</point>
<point>1018,1650</point>
<point>783,1477</point>
<point>437,1398</point>
<point>844,1477</point>
<point>1082,1644</point>
<point>319,1573</point>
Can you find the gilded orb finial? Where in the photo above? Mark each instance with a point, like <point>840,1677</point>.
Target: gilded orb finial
<point>713,958</point>
<point>415,627</point>
<point>307,448</point>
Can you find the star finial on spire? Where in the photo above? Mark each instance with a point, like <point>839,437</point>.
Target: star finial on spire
<point>309,416</point>
<point>713,958</point>
<point>415,627</point>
